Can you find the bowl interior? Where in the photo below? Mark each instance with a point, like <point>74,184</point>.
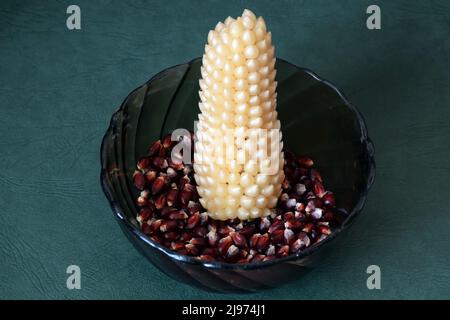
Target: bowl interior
<point>316,120</point>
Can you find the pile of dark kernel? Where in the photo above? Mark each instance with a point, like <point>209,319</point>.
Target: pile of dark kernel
<point>170,213</point>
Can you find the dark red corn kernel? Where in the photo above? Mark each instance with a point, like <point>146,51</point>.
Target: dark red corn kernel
<point>185,197</point>
<point>291,203</point>
<point>168,225</point>
<point>243,253</point>
<point>304,237</point>
<point>247,230</point>
<point>299,215</point>
<point>277,236</point>
<point>264,224</point>
<point>162,152</point>
<point>195,195</point>
<point>249,257</point>
<point>171,235</point>
<point>178,215</point>
<point>146,228</point>
<point>194,207</point>
<point>315,176</point>
<point>200,231</point>
<point>288,216</point>
<point>166,211</point>
<point>200,242</point>
<point>296,246</point>
<point>167,142</point>
<point>276,225</point>
<point>283,251</point>
<point>210,252</point>
<point>328,216</point>
<point>188,170</point>
<point>306,178</point>
<point>185,236</point>
<point>296,176</point>
<point>158,162</point>
<point>289,236</point>
<point>285,184</point>
<point>258,258</point>
<point>300,189</point>
<point>224,244</point>
<point>305,162</point>
<point>193,221</point>
<point>192,249</point>
<point>310,207</point>
<point>150,176</point>
<point>317,213</point>
<point>139,180</point>
<point>167,243</point>
<point>180,224</point>
<point>318,203</point>
<point>293,195</point>
<point>232,252</point>
<point>321,238</point>
<point>225,230</point>
<point>289,173</point>
<point>300,206</point>
<point>177,245</point>
<point>238,239</point>
<point>268,258</point>
<point>171,173</point>
<point>284,197</point>
<point>319,190</point>
<point>212,226</point>
<point>254,240</point>
<point>293,224</point>
<point>141,201</point>
<point>176,156</point>
<point>144,193</point>
<point>183,181</point>
<point>189,187</point>
<point>271,250</point>
<point>203,218</point>
<point>263,243</point>
<point>183,252</point>
<point>205,257</point>
<point>324,230</point>
<point>160,201</point>
<point>212,237</point>
<point>145,214</point>
<point>156,224</point>
<point>158,185</point>
<point>308,228</point>
<point>177,166</point>
<point>143,164</point>
<point>329,199</point>
<point>289,158</point>
<point>172,196</point>
<point>156,239</point>
<point>155,148</point>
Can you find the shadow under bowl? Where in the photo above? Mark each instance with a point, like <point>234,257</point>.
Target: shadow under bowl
<point>316,120</point>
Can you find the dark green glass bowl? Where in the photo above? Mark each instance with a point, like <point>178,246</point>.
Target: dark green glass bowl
<point>316,120</point>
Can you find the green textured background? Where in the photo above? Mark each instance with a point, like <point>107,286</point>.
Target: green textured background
<point>58,89</point>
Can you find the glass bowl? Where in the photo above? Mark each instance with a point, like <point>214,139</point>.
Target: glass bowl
<point>316,120</point>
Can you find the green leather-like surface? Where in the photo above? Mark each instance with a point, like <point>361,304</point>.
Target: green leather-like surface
<point>59,88</point>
